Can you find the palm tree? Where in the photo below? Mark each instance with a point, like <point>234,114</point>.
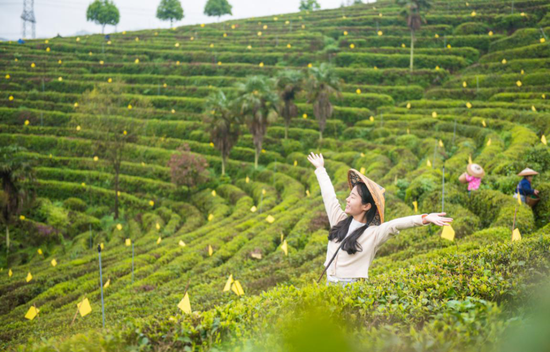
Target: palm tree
<point>257,103</point>
<point>289,83</point>
<point>413,10</point>
<point>17,175</point>
<point>322,84</point>
<point>223,123</point>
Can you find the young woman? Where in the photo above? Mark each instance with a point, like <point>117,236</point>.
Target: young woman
<point>362,221</point>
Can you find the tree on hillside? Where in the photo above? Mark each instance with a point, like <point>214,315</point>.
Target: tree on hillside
<point>18,185</point>
<point>288,83</point>
<point>217,8</point>
<point>309,5</point>
<point>187,169</point>
<point>103,12</point>
<point>322,84</point>
<point>170,10</point>
<point>96,113</point>
<point>413,12</point>
<point>223,124</point>
<point>257,102</point>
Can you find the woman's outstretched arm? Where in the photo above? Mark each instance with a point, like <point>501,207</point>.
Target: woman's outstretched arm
<point>394,226</point>
<point>334,210</point>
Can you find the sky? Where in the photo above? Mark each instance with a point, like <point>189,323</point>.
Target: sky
<point>68,17</point>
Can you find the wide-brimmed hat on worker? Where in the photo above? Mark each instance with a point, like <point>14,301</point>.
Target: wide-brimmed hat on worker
<point>475,170</point>
<point>528,172</point>
<point>375,190</point>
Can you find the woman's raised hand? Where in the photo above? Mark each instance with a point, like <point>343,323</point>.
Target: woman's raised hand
<point>316,159</point>
<point>438,219</point>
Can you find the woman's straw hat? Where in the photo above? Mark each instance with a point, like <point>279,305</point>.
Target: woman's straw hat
<point>375,190</point>
<point>528,172</point>
<point>475,170</point>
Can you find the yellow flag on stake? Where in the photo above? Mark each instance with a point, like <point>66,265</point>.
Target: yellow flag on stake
<point>32,313</point>
<point>448,233</point>
<point>516,236</point>
<point>185,304</point>
<point>227,286</point>
<point>84,307</point>
<point>237,288</point>
<point>415,203</point>
<point>210,250</point>
<point>284,247</point>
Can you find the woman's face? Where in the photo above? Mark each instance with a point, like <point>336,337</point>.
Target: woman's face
<point>529,178</point>
<point>354,206</point>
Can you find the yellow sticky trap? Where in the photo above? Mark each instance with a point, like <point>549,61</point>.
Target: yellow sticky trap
<point>362,154</point>
<point>29,277</point>
<point>263,191</point>
<point>533,108</point>
<point>469,105</point>
<point>128,242</point>
<point>408,131</point>
<point>518,83</point>
<point>358,91</point>
<point>32,313</point>
<point>484,123</point>
<point>210,217</point>
<point>237,288</point>
<point>253,209</point>
<point>158,240</point>
<point>210,250</point>
<point>519,198</point>
<point>441,143</point>
<point>185,305</point>
<point>434,114</point>
<point>102,246</point>
<point>157,225</point>
<point>489,142</point>
<point>504,61</point>
<point>151,203</point>
<point>54,263</point>
<point>270,219</point>
<point>470,159</point>
<point>464,84</point>
<point>282,237</point>
<point>213,193</point>
<point>362,170</point>
<point>227,286</point>
<point>516,236</point>
<point>284,247</point>
<point>371,119</point>
<point>408,105</point>
<point>295,162</point>
<point>415,204</point>
<point>428,163</point>
<point>448,233</point>
<point>40,251</point>
<point>10,273</point>
<point>543,140</point>
<point>247,179</point>
<point>107,283</point>
<point>84,307</point>
<point>181,243</point>
<point>307,192</point>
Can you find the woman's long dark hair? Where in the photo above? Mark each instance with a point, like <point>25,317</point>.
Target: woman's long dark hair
<point>338,232</point>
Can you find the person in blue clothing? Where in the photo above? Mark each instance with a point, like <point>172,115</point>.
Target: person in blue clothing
<point>524,187</point>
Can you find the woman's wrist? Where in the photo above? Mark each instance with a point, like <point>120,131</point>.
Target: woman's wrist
<point>424,219</point>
